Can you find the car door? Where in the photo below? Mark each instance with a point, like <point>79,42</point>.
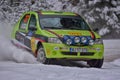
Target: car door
<point>21,33</point>
<point>32,27</point>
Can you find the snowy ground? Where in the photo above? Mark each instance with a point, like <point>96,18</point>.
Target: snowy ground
<point>17,64</point>
<point>24,71</point>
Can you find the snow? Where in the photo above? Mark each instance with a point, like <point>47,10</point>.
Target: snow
<point>112,50</point>
<point>104,31</point>
<point>18,64</point>
<point>114,3</point>
<point>105,10</point>
<point>10,52</point>
<point>23,71</point>
<point>112,44</point>
<point>116,62</point>
<point>91,10</point>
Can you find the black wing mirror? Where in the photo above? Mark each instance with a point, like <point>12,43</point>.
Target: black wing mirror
<point>96,29</point>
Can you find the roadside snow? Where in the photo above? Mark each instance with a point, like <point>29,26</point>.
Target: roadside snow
<point>112,50</point>
<point>116,62</point>
<point>112,44</point>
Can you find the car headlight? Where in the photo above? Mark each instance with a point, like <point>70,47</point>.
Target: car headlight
<point>54,40</point>
<point>77,39</point>
<point>98,41</point>
<point>68,41</point>
<point>84,40</point>
<point>91,42</point>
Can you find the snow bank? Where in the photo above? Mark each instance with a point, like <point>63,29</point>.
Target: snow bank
<point>112,44</point>
<point>116,62</point>
<point>111,50</point>
<point>8,51</point>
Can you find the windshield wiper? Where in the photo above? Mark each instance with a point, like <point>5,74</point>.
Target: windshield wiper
<point>74,28</point>
<point>53,27</point>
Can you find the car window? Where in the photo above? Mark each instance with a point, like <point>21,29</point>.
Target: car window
<point>51,22</point>
<point>24,21</point>
<point>63,22</point>
<point>32,22</point>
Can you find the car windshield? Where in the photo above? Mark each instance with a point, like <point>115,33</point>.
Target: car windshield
<point>63,22</point>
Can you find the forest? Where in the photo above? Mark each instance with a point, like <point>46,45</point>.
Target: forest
<point>101,14</point>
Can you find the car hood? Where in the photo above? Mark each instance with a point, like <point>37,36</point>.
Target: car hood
<point>56,33</point>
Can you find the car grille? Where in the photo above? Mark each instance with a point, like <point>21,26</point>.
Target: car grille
<point>81,53</point>
<point>70,53</point>
<point>86,53</point>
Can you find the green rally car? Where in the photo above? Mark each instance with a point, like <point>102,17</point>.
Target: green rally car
<point>58,35</point>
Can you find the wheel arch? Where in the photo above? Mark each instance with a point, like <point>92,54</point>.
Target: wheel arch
<point>38,45</point>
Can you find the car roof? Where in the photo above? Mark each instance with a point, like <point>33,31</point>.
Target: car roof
<point>53,13</point>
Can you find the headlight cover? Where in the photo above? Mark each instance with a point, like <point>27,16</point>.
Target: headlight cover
<point>91,42</point>
<point>68,41</point>
<point>54,40</point>
<point>84,40</point>
<point>72,40</point>
<point>99,41</point>
<point>77,39</point>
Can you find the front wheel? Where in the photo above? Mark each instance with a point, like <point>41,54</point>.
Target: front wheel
<point>41,56</point>
<point>97,63</point>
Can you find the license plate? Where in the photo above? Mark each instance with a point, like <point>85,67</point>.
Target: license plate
<point>78,50</point>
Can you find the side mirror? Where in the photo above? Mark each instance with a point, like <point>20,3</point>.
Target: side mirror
<point>96,29</point>
<point>32,28</point>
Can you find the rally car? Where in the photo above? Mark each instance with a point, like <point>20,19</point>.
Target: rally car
<point>58,35</point>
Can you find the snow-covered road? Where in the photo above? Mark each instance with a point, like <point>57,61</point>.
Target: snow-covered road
<point>17,64</point>
<point>23,71</point>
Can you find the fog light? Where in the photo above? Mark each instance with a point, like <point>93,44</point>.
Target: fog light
<point>84,40</point>
<point>76,39</point>
<point>68,41</point>
<point>91,42</point>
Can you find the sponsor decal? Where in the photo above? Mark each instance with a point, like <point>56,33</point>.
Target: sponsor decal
<point>56,48</point>
<point>74,33</point>
<point>64,48</point>
<point>92,48</point>
<point>48,52</point>
<point>33,47</point>
<point>30,33</point>
<point>98,49</point>
<point>59,36</point>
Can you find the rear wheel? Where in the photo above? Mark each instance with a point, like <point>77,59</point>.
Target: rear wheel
<point>97,63</point>
<point>41,56</point>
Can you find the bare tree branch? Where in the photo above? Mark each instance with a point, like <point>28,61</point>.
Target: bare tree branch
<point>1,2</point>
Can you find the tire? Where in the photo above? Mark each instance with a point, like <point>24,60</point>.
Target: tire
<point>97,63</point>
<point>41,56</point>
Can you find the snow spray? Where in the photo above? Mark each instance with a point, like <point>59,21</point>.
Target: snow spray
<point>9,52</point>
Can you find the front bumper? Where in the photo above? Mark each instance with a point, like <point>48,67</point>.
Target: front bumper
<point>73,52</point>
